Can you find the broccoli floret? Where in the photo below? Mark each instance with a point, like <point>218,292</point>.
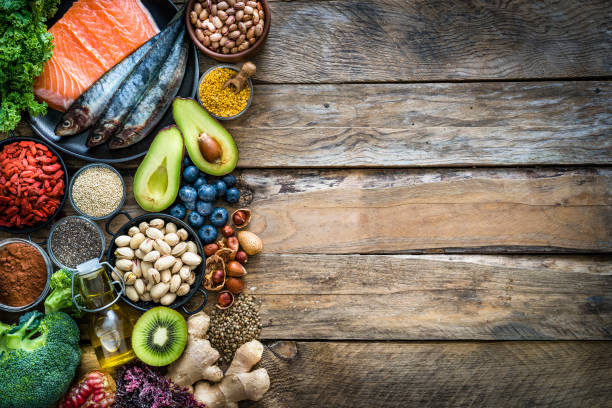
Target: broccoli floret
<point>38,359</point>
<point>60,297</point>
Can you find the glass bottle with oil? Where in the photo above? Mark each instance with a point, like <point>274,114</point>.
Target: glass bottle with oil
<point>110,329</point>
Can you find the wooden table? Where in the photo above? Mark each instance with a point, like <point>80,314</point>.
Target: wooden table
<point>431,181</point>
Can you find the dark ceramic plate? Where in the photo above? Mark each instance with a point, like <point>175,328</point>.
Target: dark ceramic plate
<point>162,12</point>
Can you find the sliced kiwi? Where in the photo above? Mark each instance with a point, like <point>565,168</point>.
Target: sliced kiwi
<point>159,336</point>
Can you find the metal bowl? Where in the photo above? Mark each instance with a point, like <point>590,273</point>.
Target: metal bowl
<point>45,291</point>
<point>76,175</point>
<point>43,224</point>
<point>234,68</point>
<point>199,271</point>
<point>52,231</point>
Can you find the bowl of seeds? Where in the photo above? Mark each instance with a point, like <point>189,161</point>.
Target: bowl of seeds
<point>74,240</point>
<point>97,191</point>
<point>224,102</point>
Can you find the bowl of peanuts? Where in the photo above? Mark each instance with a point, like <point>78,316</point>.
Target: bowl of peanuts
<point>228,30</point>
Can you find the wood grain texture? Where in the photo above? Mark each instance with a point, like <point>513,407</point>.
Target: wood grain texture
<point>415,211</point>
<point>432,297</point>
<point>451,374</point>
<point>414,125</point>
<point>424,40</point>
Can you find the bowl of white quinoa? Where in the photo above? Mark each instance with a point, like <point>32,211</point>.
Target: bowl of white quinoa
<point>97,191</point>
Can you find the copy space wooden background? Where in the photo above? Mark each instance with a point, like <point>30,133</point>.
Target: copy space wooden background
<point>431,181</point>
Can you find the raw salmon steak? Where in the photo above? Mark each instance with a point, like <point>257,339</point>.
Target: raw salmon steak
<point>90,39</point>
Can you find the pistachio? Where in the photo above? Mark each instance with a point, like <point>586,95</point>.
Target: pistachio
<point>146,297</point>
<point>162,246</point>
<point>154,233</point>
<point>171,239</point>
<point>133,231</point>
<point>182,234</point>
<point>152,256</point>
<point>189,258</point>
<point>192,278</point>
<point>154,276</point>
<point>167,299</point>
<point>192,247</point>
<point>124,264</point>
<point>139,254</point>
<point>157,223</point>
<point>171,228</point>
<point>183,289</point>
<point>139,286</point>
<point>122,240</point>
<point>159,290</point>
<point>175,282</point>
<point>143,226</point>
<point>250,243</point>
<point>146,246</point>
<point>144,268</point>
<point>124,253</point>
<point>179,249</point>
<point>165,275</point>
<point>136,268</point>
<point>137,239</point>
<point>165,262</point>
<point>184,273</point>
<point>178,265</point>
<point>129,278</point>
<point>132,294</point>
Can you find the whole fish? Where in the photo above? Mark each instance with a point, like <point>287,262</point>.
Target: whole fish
<point>132,89</point>
<point>156,100</point>
<point>88,107</point>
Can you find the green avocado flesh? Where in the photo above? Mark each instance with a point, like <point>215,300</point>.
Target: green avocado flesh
<point>158,177</point>
<point>192,120</point>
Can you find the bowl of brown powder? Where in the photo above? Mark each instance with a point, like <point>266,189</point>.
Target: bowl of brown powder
<point>97,191</point>
<point>25,272</point>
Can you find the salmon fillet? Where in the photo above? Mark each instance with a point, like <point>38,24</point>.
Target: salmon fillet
<point>90,39</point>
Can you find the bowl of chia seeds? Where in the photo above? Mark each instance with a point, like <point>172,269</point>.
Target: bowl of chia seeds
<point>97,191</point>
<point>74,240</point>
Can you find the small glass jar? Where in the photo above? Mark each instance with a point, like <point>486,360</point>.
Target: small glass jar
<point>233,68</point>
<point>45,291</point>
<point>50,248</point>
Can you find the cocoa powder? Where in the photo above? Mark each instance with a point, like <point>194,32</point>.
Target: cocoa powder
<point>23,274</point>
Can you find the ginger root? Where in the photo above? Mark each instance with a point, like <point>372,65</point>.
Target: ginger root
<point>198,363</point>
<point>199,358</point>
<point>239,383</point>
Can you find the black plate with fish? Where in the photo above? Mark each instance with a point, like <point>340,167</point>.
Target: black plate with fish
<point>44,126</point>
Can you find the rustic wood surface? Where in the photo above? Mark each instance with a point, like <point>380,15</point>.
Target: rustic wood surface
<point>431,179</point>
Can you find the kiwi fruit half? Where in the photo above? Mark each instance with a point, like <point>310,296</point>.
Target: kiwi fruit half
<point>159,336</point>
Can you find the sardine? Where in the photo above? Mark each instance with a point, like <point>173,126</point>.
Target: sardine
<point>156,100</point>
<point>131,91</point>
<point>88,107</point>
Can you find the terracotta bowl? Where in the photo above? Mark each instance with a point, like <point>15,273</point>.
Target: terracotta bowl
<point>240,56</point>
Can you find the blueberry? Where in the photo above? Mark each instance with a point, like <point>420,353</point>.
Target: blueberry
<point>208,234</point>
<point>229,180</point>
<point>232,195</point>
<point>195,220</point>
<point>188,194</point>
<point>219,216</point>
<point>190,174</point>
<point>221,188</point>
<point>207,192</point>
<point>204,208</point>
<point>186,161</point>
<point>190,205</point>
<point>178,211</point>
<point>200,181</point>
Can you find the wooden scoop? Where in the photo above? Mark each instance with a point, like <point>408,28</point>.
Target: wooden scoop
<point>239,80</point>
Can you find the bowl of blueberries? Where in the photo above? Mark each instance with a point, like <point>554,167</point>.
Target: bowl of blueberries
<point>200,201</point>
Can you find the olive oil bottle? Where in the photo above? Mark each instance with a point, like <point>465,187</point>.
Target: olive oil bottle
<point>110,329</point>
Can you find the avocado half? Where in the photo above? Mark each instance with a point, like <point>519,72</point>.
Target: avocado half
<point>192,119</point>
<point>158,177</point>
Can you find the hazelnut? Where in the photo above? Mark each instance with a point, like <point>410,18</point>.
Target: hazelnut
<point>224,300</point>
<point>239,218</point>
<point>234,285</point>
<point>210,249</point>
<point>235,269</point>
<point>242,257</point>
<point>227,231</point>
<point>233,243</point>
<point>217,276</point>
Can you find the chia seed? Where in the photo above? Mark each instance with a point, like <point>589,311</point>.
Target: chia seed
<point>74,241</point>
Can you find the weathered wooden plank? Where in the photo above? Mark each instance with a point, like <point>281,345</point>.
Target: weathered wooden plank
<point>414,211</point>
<point>397,40</point>
<point>432,297</point>
<point>492,374</point>
<point>413,125</point>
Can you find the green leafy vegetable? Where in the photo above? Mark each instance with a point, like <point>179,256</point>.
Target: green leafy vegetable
<point>38,359</point>
<point>60,297</point>
<point>25,46</point>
